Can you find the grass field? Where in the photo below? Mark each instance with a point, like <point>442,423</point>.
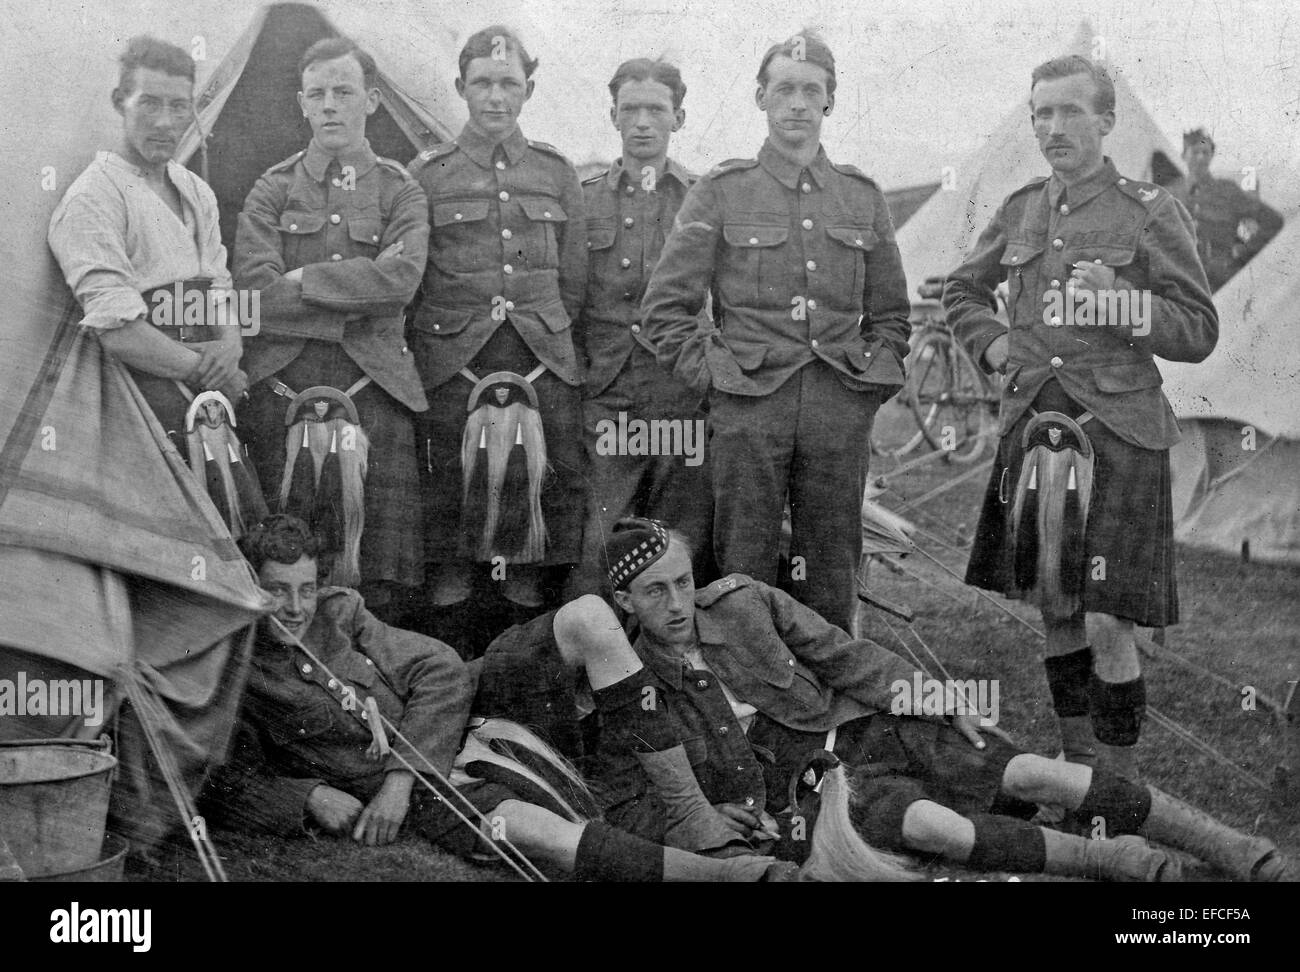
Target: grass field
<point>1241,621</point>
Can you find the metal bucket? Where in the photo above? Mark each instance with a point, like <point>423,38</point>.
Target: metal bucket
<point>107,868</point>
<point>54,802</point>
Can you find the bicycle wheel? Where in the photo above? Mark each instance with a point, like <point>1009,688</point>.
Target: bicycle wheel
<point>949,399</point>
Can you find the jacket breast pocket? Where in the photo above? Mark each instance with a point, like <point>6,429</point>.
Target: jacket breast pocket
<point>304,723</point>
<point>365,233</point>
<point>846,257</point>
<point>1018,261</point>
<point>540,248</point>
<point>297,237</point>
<point>459,239</point>
<point>754,265</point>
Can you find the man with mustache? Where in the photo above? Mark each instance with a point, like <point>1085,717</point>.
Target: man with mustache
<point>813,325</point>
<point>1069,241</point>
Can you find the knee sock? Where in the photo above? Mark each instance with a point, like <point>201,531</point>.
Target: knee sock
<point>1068,677</point>
<point>608,854</point>
<point>1006,844</point>
<point>1121,806</point>
<point>1117,710</point>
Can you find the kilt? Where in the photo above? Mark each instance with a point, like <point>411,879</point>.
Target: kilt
<point>391,552</point>
<point>1130,522</point>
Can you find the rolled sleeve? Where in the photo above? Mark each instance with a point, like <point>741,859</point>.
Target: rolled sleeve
<point>87,234</point>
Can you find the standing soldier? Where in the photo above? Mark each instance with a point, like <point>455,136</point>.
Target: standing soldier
<point>813,310</point>
<point>502,444</point>
<point>335,238</point>
<point>630,209</point>
<point>1232,225</point>
<point>1086,430</point>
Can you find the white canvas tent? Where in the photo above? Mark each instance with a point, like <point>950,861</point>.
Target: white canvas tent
<point>942,232</point>
<point>1237,470</point>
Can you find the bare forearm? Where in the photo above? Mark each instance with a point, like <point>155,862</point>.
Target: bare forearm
<point>139,346</point>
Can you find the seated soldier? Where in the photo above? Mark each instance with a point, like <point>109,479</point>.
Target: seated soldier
<point>757,683</point>
<point>306,753</point>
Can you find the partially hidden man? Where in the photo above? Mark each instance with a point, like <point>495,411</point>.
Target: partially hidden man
<point>335,238</point>
<point>644,427</point>
<point>1103,278</point>
<point>812,310</point>
<point>502,443</point>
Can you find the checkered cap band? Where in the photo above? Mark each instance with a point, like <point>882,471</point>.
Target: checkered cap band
<point>635,544</point>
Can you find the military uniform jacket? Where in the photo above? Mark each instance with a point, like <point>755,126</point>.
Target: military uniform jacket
<point>297,734</point>
<point>1037,235</point>
<point>333,228</point>
<point>507,243</point>
<point>804,267</point>
<point>1218,207</point>
<point>626,228</point>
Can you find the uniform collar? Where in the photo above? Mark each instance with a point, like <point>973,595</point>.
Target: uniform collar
<point>480,148</point>
<point>671,170</point>
<point>317,160</point>
<point>109,157</point>
<point>665,662</point>
<point>786,172</point>
<point>1080,193</point>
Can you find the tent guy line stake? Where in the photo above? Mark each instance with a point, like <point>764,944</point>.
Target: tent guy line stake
<point>433,770</point>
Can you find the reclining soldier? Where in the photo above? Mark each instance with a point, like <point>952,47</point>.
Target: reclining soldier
<point>307,755</point>
<point>757,684</point>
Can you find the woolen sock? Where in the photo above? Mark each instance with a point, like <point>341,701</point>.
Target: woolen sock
<point>1006,844</point>
<point>606,853</point>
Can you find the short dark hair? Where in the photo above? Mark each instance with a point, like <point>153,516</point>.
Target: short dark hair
<point>282,538</point>
<point>809,45</point>
<point>1195,137</point>
<point>153,55</point>
<point>1103,88</point>
<point>644,69</point>
<point>486,42</point>
<point>332,48</point>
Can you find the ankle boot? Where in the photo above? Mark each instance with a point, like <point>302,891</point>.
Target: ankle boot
<point>1245,858</point>
<point>1126,858</point>
<point>693,824</point>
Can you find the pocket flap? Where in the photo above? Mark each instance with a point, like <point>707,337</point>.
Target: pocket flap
<point>301,223</point>
<point>1110,254</point>
<point>301,723</point>
<point>1018,254</point>
<point>464,211</point>
<point>442,323</point>
<point>600,236</point>
<point>1127,377</point>
<point>746,236</point>
<point>365,230</point>
<point>542,210</point>
<point>748,355</point>
<point>860,238</point>
<point>555,317</point>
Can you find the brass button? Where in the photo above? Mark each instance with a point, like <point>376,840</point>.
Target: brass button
<point>630,189</point>
<point>506,234</point>
<point>807,224</point>
<point>374,238</point>
<point>722,730</point>
<point>293,227</point>
<point>1123,182</point>
<point>460,215</point>
<point>806,187</point>
<point>1058,244</point>
<point>332,683</point>
<point>335,219</point>
<point>1056,361</point>
<point>336,256</point>
<point>626,222</point>
<point>1055,320</point>
<point>812,304</point>
<point>1056,283</point>
<point>503,196</point>
<point>306,669</point>
<point>625,262</point>
<point>337,181</point>
<point>510,305</point>
<point>547,214</point>
<point>814,342</point>
<point>791,661</point>
<point>500,164</point>
<point>811,264</point>
<point>753,241</point>
<point>1065,209</point>
<point>858,242</point>
<point>702,683</point>
<point>636,328</point>
<point>508,268</point>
